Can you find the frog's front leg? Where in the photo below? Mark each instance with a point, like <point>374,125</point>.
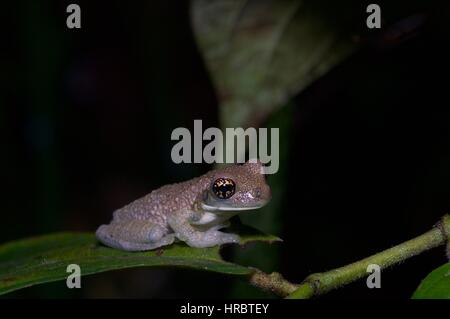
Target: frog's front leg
<point>134,235</point>
<point>183,223</point>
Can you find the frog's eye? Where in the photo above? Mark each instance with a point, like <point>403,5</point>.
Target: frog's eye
<point>224,188</point>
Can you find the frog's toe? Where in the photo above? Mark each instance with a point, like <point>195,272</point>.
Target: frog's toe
<point>230,238</point>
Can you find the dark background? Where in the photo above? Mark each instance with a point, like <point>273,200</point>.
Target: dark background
<point>86,117</point>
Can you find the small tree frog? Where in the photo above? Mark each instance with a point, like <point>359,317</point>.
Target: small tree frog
<point>193,211</point>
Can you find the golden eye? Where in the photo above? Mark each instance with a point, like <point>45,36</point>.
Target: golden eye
<point>224,188</point>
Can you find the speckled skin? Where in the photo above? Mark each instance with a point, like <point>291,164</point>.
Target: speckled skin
<point>187,211</point>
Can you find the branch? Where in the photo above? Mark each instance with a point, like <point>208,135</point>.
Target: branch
<point>320,283</point>
<point>273,282</point>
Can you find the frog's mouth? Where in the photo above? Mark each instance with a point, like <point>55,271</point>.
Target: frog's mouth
<point>226,208</point>
<point>211,204</point>
<point>237,203</point>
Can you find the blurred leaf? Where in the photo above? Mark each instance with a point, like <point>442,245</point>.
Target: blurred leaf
<point>436,285</point>
<point>261,53</point>
<point>43,259</point>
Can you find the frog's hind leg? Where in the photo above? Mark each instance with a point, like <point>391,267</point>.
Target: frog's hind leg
<point>134,235</point>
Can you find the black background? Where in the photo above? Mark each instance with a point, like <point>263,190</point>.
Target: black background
<point>86,117</point>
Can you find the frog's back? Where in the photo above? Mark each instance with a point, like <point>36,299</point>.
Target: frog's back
<point>161,202</point>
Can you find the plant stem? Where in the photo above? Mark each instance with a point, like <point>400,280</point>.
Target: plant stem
<point>273,282</point>
<point>320,283</point>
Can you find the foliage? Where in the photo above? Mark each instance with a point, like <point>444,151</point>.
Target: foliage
<point>436,285</point>
<point>261,53</point>
<point>37,260</point>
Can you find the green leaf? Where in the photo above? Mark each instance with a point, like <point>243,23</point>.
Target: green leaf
<point>261,53</point>
<point>436,285</point>
<point>42,259</point>
<point>249,234</point>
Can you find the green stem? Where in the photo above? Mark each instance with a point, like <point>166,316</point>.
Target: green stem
<point>320,283</point>
<point>273,282</point>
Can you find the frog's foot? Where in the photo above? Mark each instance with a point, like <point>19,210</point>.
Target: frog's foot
<point>213,237</point>
<point>134,235</point>
<point>200,237</point>
<point>208,238</point>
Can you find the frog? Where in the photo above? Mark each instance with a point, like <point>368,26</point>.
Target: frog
<point>194,212</point>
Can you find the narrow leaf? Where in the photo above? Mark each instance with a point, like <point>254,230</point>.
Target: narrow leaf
<point>42,259</point>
